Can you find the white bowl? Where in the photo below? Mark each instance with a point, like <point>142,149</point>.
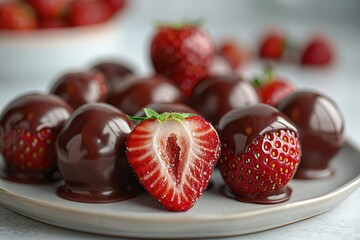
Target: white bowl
<point>37,56</point>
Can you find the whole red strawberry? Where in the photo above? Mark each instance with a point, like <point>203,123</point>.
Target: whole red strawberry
<point>49,9</point>
<point>272,46</point>
<point>17,16</point>
<point>86,12</point>
<point>318,52</point>
<point>28,131</point>
<point>234,53</point>
<point>260,153</point>
<point>173,156</point>
<point>182,52</point>
<point>116,5</point>
<point>271,88</point>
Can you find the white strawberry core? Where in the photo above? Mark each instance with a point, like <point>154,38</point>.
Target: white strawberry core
<point>171,143</point>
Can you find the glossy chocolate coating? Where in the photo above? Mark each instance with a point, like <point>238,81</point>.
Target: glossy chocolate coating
<point>113,71</point>
<point>91,155</point>
<point>134,93</point>
<point>167,107</point>
<point>34,112</point>
<point>277,196</point>
<point>78,88</point>
<point>321,127</point>
<point>216,95</point>
<point>241,126</point>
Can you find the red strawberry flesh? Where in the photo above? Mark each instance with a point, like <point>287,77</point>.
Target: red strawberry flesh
<point>174,159</point>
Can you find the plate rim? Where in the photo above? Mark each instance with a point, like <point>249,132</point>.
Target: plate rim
<point>344,191</point>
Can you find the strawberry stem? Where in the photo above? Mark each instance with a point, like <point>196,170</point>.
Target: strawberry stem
<point>151,114</point>
<point>268,76</point>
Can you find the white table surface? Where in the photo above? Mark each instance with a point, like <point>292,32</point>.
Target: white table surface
<point>245,20</point>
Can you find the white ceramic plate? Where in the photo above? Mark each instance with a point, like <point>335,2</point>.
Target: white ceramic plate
<point>214,215</point>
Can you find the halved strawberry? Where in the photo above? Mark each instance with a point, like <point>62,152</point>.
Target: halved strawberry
<point>173,156</point>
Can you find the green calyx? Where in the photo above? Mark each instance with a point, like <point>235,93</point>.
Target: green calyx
<point>268,76</point>
<point>151,114</point>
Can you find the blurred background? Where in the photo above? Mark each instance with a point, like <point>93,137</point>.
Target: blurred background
<point>33,60</point>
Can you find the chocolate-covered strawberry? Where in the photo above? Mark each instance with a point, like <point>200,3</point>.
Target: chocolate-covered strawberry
<point>91,155</point>
<point>260,153</point>
<point>78,88</point>
<point>216,95</point>
<point>28,130</point>
<point>272,88</point>
<point>134,93</point>
<point>321,128</point>
<point>114,72</point>
<point>173,156</point>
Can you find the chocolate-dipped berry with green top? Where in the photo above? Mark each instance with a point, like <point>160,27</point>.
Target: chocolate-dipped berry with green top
<point>29,126</point>
<point>91,155</point>
<point>321,129</point>
<point>260,153</point>
<point>272,88</point>
<point>173,155</point>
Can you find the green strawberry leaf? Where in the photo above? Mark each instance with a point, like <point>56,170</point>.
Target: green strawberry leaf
<point>151,114</point>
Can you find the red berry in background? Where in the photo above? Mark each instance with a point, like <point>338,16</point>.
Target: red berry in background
<point>86,12</point>
<point>17,16</point>
<point>272,46</point>
<point>49,9</point>
<point>318,52</point>
<point>173,155</point>
<point>272,88</point>
<point>28,130</point>
<point>183,53</point>
<point>260,153</point>
<point>53,23</point>
<point>234,54</point>
<point>116,5</point>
